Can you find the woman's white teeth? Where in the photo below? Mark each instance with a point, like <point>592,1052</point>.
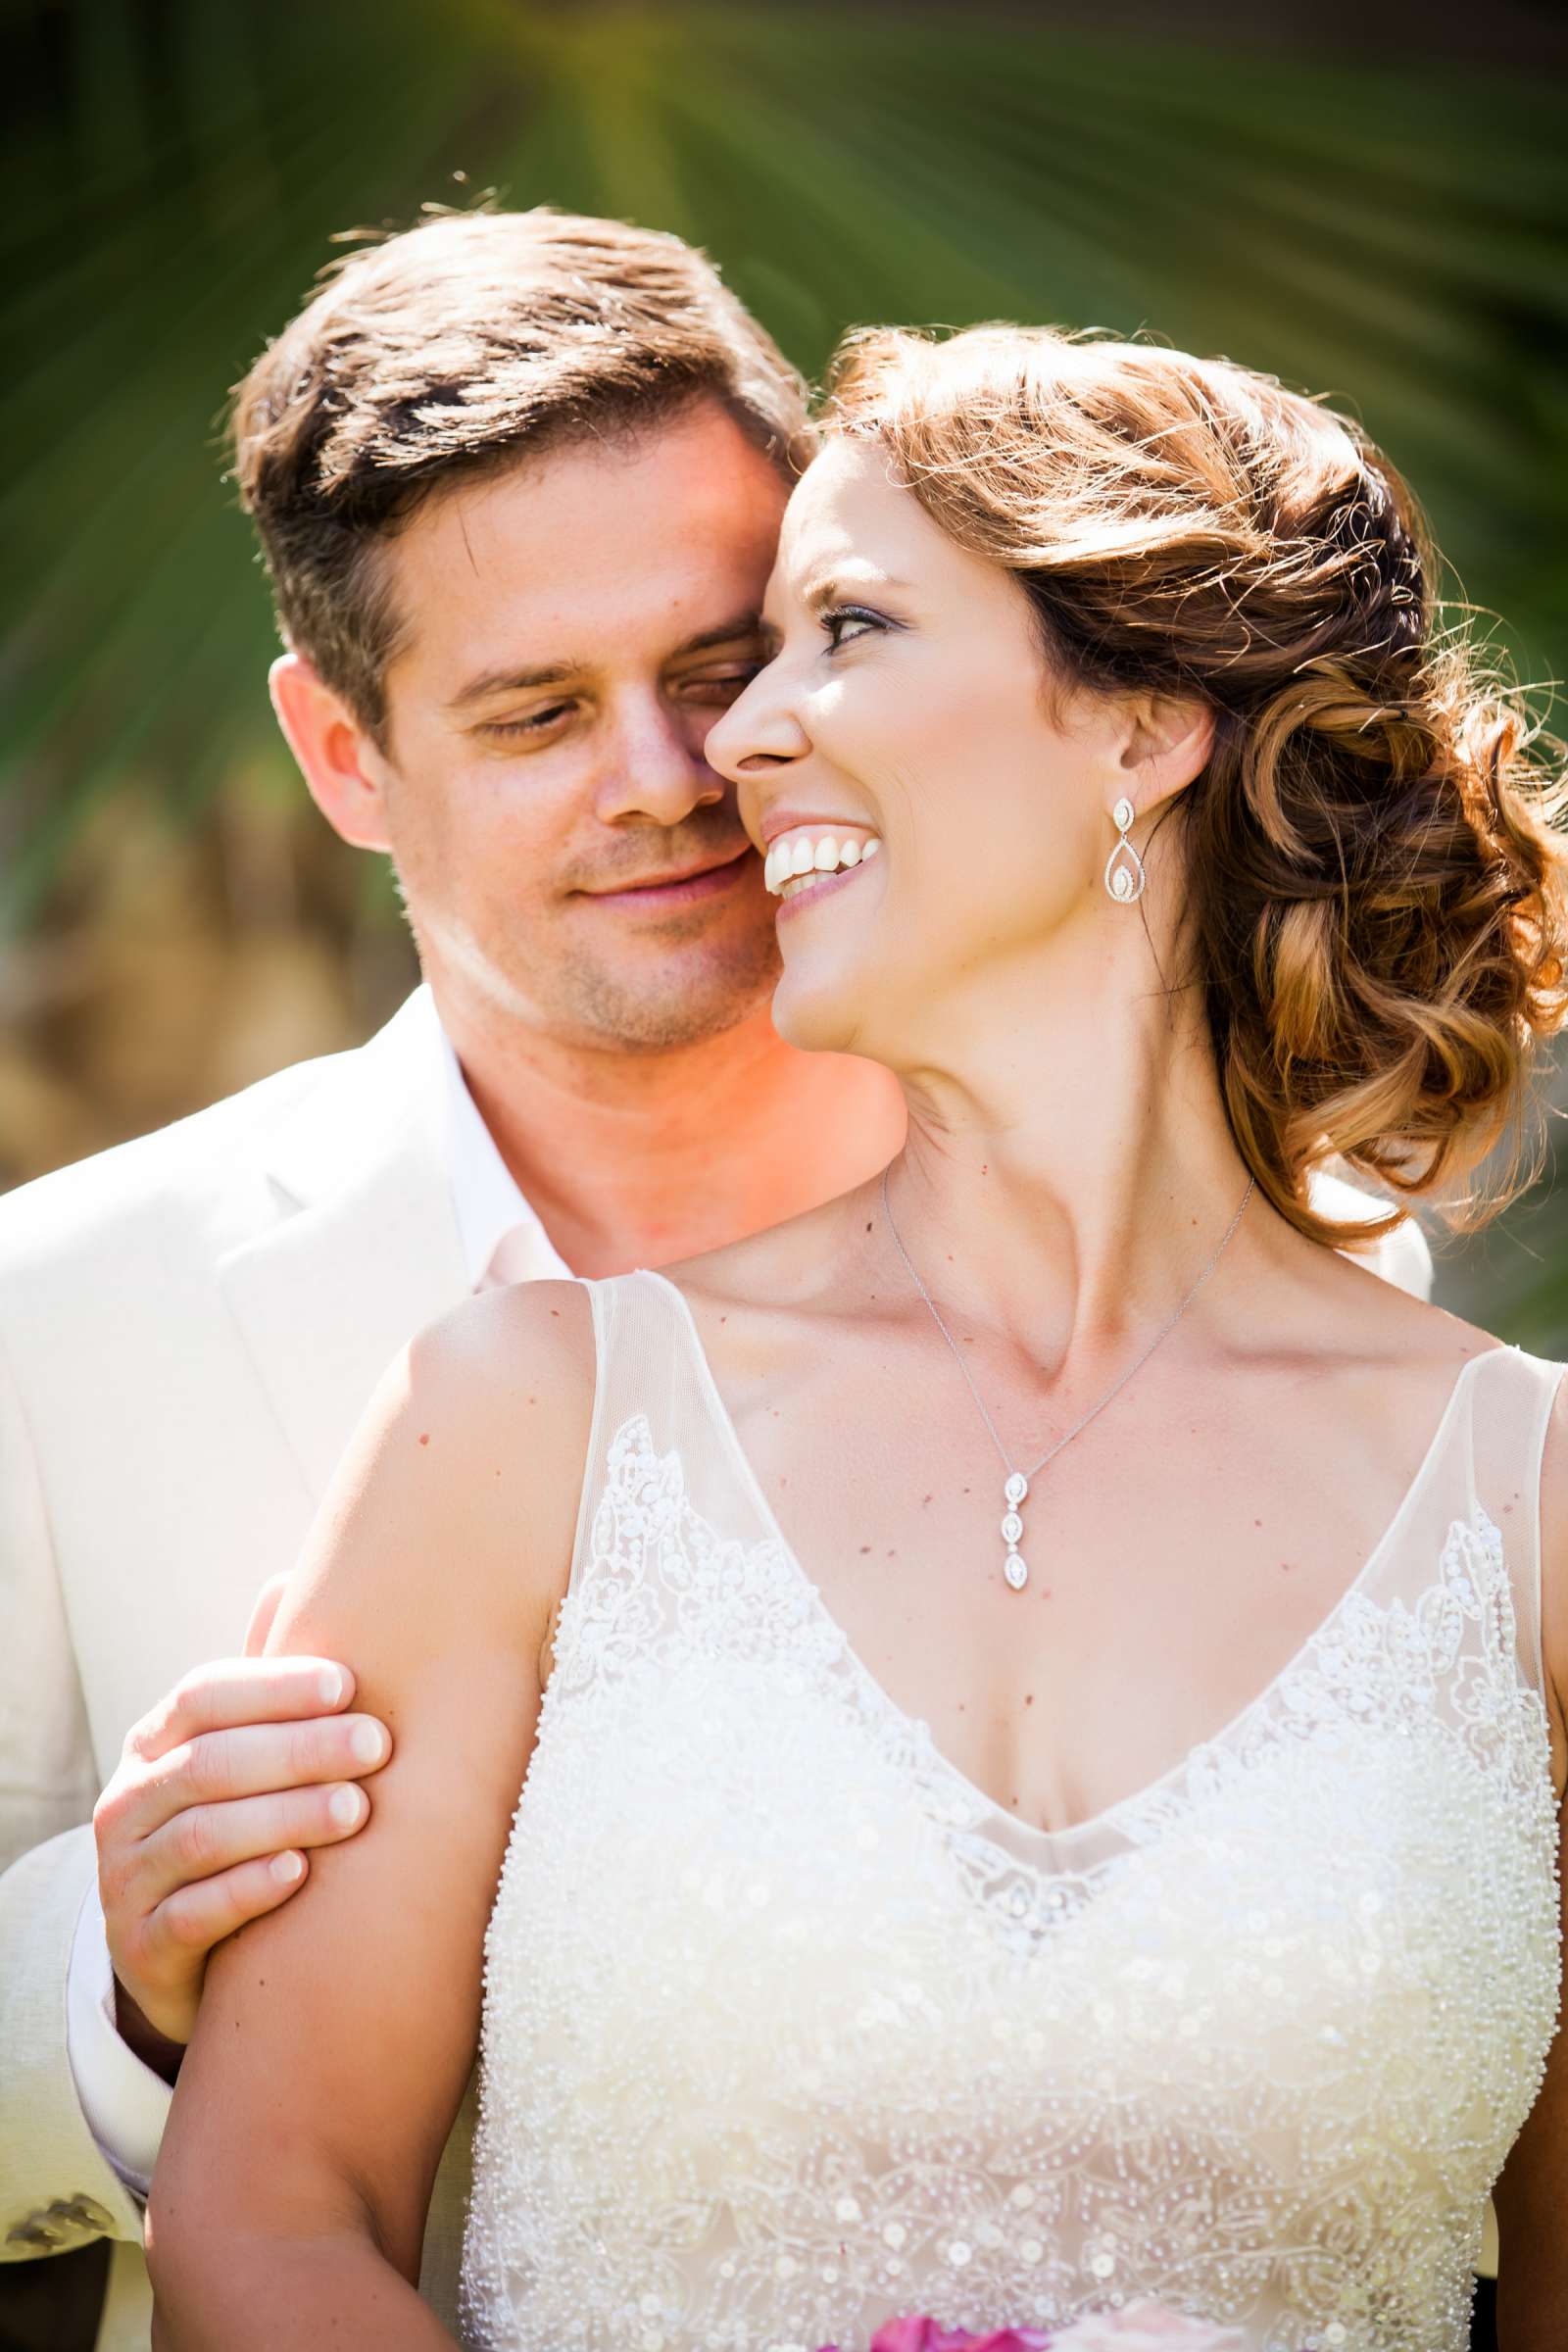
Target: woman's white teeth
<point>796,857</point>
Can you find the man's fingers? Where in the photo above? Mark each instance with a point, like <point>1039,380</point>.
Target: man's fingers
<point>257,1759</point>
<point>240,1690</point>
<point>205,1840</point>
<point>199,1916</point>
<point>265,1610</point>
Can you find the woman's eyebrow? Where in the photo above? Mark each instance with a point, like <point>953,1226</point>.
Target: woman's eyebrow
<point>840,581</point>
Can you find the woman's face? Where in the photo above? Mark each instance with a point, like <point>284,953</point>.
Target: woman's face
<point>905,718</point>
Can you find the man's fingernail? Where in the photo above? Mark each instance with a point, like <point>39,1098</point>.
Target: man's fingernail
<point>286,1868</point>
<point>368,1743</point>
<point>329,1683</point>
<point>346,1806</point>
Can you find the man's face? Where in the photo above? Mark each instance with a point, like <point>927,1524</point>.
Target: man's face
<point>572,630</point>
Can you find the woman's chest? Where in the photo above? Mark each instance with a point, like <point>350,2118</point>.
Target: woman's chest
<point>1168,1583</point>
<point>749,1880</point>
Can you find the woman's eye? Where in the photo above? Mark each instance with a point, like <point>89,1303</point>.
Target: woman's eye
<point>845,622</point>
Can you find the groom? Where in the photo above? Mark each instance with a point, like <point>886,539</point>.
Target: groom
<point>518,480</point>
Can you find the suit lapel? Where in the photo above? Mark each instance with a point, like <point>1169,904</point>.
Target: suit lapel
<point>365,1250</point>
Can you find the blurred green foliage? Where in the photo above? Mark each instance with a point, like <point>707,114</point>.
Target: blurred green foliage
<point>1384,226</point>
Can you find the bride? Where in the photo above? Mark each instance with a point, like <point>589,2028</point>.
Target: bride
<point>1037,1688</point>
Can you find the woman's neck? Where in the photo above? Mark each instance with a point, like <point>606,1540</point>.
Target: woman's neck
<point>1067,1175</point>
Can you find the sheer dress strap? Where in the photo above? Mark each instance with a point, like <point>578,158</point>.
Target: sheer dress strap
<point>1511,1404</point>
<point>644,1370</point>
<point>601,1306</point>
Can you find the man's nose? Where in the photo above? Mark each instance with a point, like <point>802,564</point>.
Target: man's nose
<point>657,771</point>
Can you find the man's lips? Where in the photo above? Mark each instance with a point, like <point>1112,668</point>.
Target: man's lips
<point>682,889</point>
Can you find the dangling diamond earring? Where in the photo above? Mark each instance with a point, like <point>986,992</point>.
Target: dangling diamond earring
<point>1124,869</point>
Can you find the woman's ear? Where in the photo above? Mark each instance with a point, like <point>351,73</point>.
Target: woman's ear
<point>337,756</point>
<point>1168,743</point>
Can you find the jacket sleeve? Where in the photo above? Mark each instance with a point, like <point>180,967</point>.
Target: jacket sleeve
<point>56,2187</point>
<point>1404,1258</point>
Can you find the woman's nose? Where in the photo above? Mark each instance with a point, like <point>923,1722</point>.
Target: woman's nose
<point>761,730</point>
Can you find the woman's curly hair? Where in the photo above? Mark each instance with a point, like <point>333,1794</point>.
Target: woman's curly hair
<point>1375,892</point>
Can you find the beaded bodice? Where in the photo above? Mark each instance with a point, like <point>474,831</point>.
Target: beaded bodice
<point>789,2028</point>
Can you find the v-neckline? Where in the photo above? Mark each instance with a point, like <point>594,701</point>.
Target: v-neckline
<point>1027,1836</point>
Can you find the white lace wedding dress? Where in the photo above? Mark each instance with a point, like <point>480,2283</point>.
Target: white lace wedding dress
<point>788,2027</point>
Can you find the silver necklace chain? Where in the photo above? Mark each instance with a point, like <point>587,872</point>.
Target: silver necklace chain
<point>1016,1489</point>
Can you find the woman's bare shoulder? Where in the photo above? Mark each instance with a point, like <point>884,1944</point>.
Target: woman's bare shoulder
<point>1352,1311</point>
<point>502,1388</point>
<point>1554,1568</point>
<point>521,1347</point>
<point>457,1496</point>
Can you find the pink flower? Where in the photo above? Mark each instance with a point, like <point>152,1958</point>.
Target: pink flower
<point>925,2335</point>
<point>1136,2327</point>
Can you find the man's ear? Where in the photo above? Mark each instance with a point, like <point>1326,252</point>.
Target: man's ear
<point>337,758</point>
<point>1167,746</point>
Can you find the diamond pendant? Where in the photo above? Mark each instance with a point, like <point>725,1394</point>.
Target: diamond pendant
<point>1014,1568</point>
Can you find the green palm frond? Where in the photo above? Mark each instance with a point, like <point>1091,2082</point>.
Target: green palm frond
<point>1388,230</point>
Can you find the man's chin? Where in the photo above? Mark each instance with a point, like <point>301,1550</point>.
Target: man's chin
<point>624,1017</point>
<point>651,995</point>
<point>655,1001</point>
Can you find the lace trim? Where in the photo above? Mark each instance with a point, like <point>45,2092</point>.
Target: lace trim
<point>1368,1662</point>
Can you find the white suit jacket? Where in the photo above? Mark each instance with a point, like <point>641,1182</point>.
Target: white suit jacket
<point>190,1327</point>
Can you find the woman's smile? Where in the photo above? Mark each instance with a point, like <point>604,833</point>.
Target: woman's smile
<point>801,856</point>
<point>805,889</point>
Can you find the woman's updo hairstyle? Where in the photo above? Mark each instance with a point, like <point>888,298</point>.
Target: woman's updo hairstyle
<point>1374,903</point>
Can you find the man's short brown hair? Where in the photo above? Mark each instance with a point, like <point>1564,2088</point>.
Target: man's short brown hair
<point>457,348</point>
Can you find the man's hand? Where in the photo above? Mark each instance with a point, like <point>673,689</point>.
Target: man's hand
<point>219,1794</point>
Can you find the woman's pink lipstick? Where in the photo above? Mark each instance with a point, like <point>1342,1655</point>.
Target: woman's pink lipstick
<point>820,888</point>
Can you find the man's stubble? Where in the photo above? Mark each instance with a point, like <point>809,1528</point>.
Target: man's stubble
<point>665,998</point>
